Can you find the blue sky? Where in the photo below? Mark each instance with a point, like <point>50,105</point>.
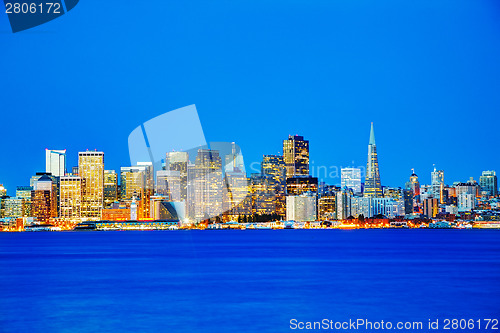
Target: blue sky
<point>427,73</point>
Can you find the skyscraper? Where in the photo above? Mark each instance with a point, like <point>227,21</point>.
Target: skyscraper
<point>44,199</point>
<point>273,166</point>
<point>138,182</point>
<point>168,184</point>
<point>13,207</point>
<point>343,201</point>
<point>299,185</point>
<point>488,183</point>
<point>466,196</point>
<point>296,156</point>
<point>178,161</point>
<point>388,207</point>
<point>70,202</point>
<point>412,194</point>
<point>234,161</point>
<point>24,192</point>
<point>408,201</point>
<point>263,194</point>
<point>327,208</point>
<point>301,208</point>
<point>110,186</point>
<point>205,189</point>
<point>361,206</point>
<point>149,182</point>
<point>373,187</point>
<point>55,162</point>
<point>91,170</point>
<point>149,174</point>
<point>413,185</point>
<point>133,181</point>
<point>431,207</point>
<point>437,183</point>
<point>351,178</point>
<point>236,190</point>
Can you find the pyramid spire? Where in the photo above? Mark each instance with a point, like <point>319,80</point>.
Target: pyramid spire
<point>373,187</point>
<point>372,136</point>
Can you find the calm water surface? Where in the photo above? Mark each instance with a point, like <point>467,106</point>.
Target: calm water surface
<point>243,281</point>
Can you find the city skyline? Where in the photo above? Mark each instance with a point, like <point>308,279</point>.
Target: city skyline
<point>212,185</point>
<point>312,169</point>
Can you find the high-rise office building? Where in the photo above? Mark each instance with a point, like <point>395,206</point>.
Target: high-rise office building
<point>296,156</point>
<point>55,184</point>
<point>168,184</point>
<point>178,161</point>
<point>488,183</point>
<point>70,202</point>
<point>412,194</point>
<point>361,206</point>
<point>273,166</point>
<point>138,182</point>
<point>55,162</point>
<point>236,194</point>
<point>431,207</point>
<point>408,201</point>
<point>24,192</point>
<point>395,193</point>
<point>466,196</point>
<point>234,160</point>
<point>91,170</point>
<point>133,181</point>
<point>110,187</point>
<point>466,202</point>
<point>2,206</point>
<point>437,183</point>
<point>3,191</point>
<point>373,186</point>
<point>301,208</point>
<point>205,189</point>
<point>263,194</point>
<point>299,185</point>
<point>388,207</point>
<point>13,207</point>
<point>149,174</point>
<point>351,178</point>
<point>44,199</point>
<point>327,208</point>
<point>413,184</point>
<point>343,201</point>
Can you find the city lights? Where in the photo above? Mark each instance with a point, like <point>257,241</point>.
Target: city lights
<point>210,189</point>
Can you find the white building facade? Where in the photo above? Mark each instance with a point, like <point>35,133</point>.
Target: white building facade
<point>301,208</point>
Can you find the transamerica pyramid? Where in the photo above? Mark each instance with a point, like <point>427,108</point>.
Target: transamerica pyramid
<point>373,187</point>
